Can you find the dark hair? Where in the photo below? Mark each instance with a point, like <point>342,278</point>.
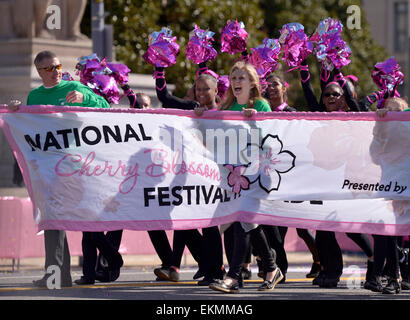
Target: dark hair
<point>350,86</point>
<point>43,55</point>
<point>281,80</point>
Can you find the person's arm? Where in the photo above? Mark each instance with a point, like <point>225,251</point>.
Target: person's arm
<point>324,77</point>
<point>132,98</point>
<point>310,97</point>
<point>168,100</point>
<point>372,98</point>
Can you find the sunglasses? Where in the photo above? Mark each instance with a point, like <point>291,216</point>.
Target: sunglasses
<point>334,94</point>
<point>51,68</point>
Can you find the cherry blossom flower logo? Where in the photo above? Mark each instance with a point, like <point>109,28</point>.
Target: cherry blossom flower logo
<point>236,180</point>
<point>266,169</point>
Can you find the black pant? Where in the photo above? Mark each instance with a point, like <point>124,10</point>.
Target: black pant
<point>212,253</point>
<point>363,241</point>
<point>276,239</point>
<point>115,238</point>
<point>237,242</point>
<point>90,243</point>
<point>162,247</point>
<point>330,255</point>
<point>190,238</point>
<point>385,250</point>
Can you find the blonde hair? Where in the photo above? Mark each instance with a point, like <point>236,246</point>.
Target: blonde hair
<point>396,104</point>
<point>255,93</point>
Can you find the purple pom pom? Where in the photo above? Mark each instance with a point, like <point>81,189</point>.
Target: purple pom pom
<point>106,87</point>
<point>163,49</point>
<point>265,57</point>
<point>120,72</point>
<point>295,43</point>
<point>387,74</point>
<point>331,50</point>
<point>199,48</point>
<point>233,37</point>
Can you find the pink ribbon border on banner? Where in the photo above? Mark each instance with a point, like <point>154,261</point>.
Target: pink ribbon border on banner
<point>224,115</point>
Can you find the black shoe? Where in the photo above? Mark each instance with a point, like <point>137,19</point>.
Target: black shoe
<point>314,270</point>
<point>198,274</point>
<point>270,285</point>
<point>369,270</point>
<point>374,284</point>
<point>392,287</point>
<point>102,276</point>
<point>83,281</point>
<point>42,283</point>
<point>329,283</point>
<point>159,279</point>
<point>319,279</point>
<point>246,274</point>
<point>169,274</point>
<point>113,275</point>
<point>205,282</point>
<point>221,286</point>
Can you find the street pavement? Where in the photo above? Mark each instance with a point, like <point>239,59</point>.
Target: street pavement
<point>137,282</point>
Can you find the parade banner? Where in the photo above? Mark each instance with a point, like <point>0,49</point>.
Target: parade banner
<point>106,169</point>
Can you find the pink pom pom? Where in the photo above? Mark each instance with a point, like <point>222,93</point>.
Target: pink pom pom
<point>233,37</point>
<point>120,72</point>
<point>387,74</point>
<point>265,57</point>
<point>199,48</point>
<point>295,43</point>
<point>331,50</point>
<point>163,49</point>
<point>106,87</point>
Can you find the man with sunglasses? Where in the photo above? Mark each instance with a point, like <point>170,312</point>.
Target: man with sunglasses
<point>56,91</point>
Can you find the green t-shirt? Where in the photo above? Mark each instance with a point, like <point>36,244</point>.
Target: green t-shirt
<point>56,95</point>
<point>408,109</point>
<point>260,106</point>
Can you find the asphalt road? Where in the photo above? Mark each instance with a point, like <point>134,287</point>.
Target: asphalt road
<point>138,283</point>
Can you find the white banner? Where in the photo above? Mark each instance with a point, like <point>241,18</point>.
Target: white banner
<point>106,169</point>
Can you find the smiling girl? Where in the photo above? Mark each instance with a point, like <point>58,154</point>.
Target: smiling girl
<point>244,93</point>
